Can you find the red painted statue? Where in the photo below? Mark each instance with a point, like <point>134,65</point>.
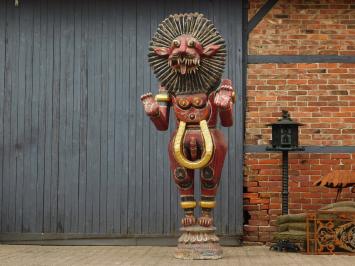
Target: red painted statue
<point>187,55</point>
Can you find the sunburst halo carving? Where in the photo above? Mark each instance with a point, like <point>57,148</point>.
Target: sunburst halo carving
<point>207,75</point>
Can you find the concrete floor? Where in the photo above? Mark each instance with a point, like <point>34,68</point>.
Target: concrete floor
<point>119,255</point>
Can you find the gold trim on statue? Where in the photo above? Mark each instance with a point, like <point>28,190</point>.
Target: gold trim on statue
<point>162,97</point>
<point>208,204</point>
<point>188,204</point>
<point>178,149</point>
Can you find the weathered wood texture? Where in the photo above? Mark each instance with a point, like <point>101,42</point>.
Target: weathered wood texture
<point>77,153</point>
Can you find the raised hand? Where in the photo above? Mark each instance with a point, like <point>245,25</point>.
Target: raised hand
<point>151,107</point>
<point>225,96</point>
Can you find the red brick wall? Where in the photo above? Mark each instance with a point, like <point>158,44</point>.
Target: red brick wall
<point>305,27</point>
<point>320,95</point>
<point>262,186</point>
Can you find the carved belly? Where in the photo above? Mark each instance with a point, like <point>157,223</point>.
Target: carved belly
<point>193,115</point>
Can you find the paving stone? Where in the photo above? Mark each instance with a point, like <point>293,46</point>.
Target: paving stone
<point>138,255</point>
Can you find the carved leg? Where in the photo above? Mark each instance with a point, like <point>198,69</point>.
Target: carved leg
<point>184,178</point>
<point>188,203</point>
<point>209,185</point>
<point>210,177</point>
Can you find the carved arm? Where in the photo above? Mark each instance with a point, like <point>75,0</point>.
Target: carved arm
<point>224,100</point>
<point>157,109</point>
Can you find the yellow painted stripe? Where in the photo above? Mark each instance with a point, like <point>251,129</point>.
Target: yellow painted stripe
<point>162,97</point>
<point>208,204</point>
<point>188,204</point>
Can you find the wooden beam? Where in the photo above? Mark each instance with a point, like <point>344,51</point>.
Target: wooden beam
<point>285,59</point>
<point>308,149</point>
<point>261,14</point>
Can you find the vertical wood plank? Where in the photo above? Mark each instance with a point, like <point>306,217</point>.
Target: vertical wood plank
<point>23,87</point>
<point>124,102</point>
<point>48,90</point>
<point>153,140</point>
<point>94,105</point>
<point>223,219</point>
<point>41,133</point>
<point>29,182</point>
<point>36,223</point>
<point>232,131</point>
<point>70,185</point>
<point>83,202</point>
<point>119,119</point>
<point>91,149</point>
<point>111,105</point>
<point>75,167</point>
<point>145,72</point>
<point>62,147</point>
<point>132,99</point>
<point>96,122</point>
<point>6,121</point>
<point>2,97</point>
<point>10,18</point>
<point>103,117</point>
<point>56,226</point>
<point>11,184</point>
<point>142,15</point>
<point>240,75</point>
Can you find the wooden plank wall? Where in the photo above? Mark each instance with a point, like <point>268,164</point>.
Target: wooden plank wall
<point>78,155</point>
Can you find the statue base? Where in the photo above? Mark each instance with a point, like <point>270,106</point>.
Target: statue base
<point>198,243</point>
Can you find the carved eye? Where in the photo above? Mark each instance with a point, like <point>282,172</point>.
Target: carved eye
<point>198,102</point>
<point>191,43</point>
<point>183,103</point>
<point>176,43</point>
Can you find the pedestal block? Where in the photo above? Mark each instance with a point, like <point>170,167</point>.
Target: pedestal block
<point>198,243</point>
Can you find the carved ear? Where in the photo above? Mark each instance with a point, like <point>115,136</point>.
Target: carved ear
<point>161,51</point>
<point>211,49</point>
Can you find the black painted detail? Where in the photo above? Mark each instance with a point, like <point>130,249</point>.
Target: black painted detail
<point>206,209</point>
<point>207,173</point>
<point>208,185</point>
<point>207,198</point>
<point>187,198</point>
<point>180,173</point>
<point>186,185</point>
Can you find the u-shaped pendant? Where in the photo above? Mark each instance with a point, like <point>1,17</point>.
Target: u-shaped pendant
<point>178,147</point>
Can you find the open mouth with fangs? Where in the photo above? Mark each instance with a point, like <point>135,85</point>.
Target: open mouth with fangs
<point>184,65</point>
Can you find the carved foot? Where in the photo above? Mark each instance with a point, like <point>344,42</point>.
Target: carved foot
<point>188,220</point>
<point>205,220</point>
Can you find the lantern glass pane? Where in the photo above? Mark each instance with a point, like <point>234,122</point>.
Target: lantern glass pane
<point>286,136</point>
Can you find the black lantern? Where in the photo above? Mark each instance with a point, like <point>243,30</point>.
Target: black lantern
<point>285,139</point>
<point>284,133</point>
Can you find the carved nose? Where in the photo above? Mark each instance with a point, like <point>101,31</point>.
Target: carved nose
<point>192,116</point>
<point>182,48</point>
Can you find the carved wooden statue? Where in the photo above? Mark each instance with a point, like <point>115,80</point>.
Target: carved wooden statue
<point>187,55</point>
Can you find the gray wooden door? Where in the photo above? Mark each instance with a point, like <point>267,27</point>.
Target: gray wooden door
<point>77,153</point>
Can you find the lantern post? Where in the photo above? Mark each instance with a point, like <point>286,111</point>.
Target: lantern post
<point>285,139</point>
